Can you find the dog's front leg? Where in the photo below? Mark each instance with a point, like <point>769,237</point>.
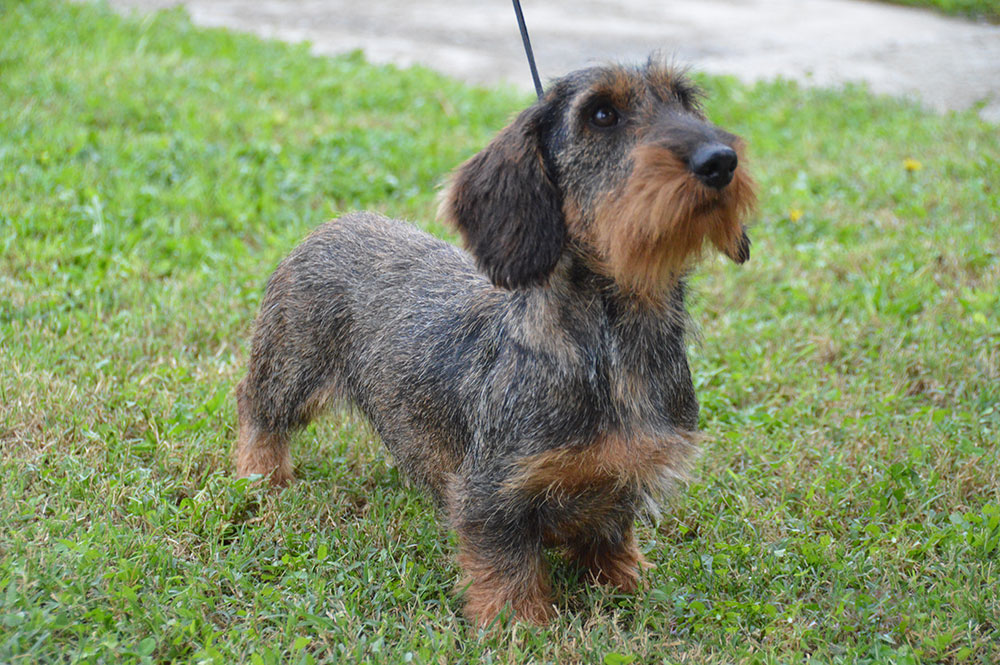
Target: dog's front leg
<point>500,553</point>
<point>610,558</point>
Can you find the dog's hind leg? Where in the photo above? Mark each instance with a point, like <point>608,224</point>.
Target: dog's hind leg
<point>294,371</point>
<point>264,426</point>
<point>259,452</point>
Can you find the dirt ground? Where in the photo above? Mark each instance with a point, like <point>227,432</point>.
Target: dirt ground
<point>946,63</point>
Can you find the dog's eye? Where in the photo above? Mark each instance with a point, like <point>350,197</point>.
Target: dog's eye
<point>604,116</point>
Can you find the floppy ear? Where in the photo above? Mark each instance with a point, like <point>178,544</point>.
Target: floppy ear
<point>507,208</point>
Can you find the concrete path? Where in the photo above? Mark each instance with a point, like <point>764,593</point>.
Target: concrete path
<point>947,63</point>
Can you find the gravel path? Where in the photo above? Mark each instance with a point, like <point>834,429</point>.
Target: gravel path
<point>947,63</point>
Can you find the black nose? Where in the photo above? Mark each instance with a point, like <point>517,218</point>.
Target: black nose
<point>714,164</point>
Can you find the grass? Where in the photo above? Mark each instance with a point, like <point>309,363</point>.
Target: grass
<point>987,10</point>
<point>847,505</point>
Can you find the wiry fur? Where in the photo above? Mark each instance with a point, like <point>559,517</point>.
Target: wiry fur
<point>645,258</point>
<point>539,388</point>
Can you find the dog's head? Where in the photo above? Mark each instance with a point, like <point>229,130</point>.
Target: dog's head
<point>618,164</point>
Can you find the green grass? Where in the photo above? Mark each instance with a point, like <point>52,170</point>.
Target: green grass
<point>847,505</point>
<point>988,10</point>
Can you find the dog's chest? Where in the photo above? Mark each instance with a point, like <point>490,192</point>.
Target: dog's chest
<point>648,378</point>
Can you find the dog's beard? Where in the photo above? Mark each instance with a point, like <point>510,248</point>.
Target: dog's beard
<point>653,229</point>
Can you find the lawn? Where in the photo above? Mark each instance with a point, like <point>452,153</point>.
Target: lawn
<point>846,508</point>
<point>987,10</point>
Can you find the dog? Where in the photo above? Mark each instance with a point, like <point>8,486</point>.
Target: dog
<point>537,385</point>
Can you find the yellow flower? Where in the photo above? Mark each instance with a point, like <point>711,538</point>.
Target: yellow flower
<point>794,214</point>
<point>912,165</point>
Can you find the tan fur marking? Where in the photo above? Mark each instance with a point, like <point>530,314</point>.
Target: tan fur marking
<point>638,461</point>
<point>260,453</point>
<point>663,79</point>
<point>618,567</point>
<point>652,229</point>
<point>489,591</point>
<point>618,87</point>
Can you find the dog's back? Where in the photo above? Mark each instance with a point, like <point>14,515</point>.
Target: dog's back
<point>359,312</point>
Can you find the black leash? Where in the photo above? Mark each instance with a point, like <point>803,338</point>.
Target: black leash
<point>527,48</point>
